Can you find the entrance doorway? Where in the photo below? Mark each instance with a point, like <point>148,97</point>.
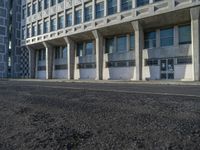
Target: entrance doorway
<point>167,69</point>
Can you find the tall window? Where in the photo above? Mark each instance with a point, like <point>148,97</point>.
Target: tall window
<point>60,22</point>
<point>53,24</point>
<point>132,41</point>
<point>23,33</point>
<point>23,12</point>
<point>79,49</point>
<point>185,34</point>
<point>112,7</point>
<point>142,2</point>
<point>46,26</point>
<point>28,10</point>
<point>109,45</point>
<point>28,32</point>
<point>150,40</point>
<point>166,37</point>
<point>121,43</point>
<point>34,30</point>
<point>53,2</point>
<point>88,13</point>
<point>78,18</point>
<point>41,54</point>
<point>39,5</point>
<point>89,48</point>
<point>46,4</point>
<point>39,28</point>
<point>34,8</point>
<point>99,10</point>
<point>69,20</point>
<point>126,5</point>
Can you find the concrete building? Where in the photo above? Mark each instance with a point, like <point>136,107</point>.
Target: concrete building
<point>112,39</point>
<point>10,50</point>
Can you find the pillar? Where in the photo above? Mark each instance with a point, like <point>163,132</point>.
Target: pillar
<point>99,54</point>
<point>118,5</point>
<point>194,12</point>
<point>134,3</point>
<point>138,48</point>
<point>32,62</point>
<point>49,60</point>
<point>70,57</point>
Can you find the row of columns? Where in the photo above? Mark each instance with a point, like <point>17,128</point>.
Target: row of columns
<point>99,55</point>
<point>139,42</point>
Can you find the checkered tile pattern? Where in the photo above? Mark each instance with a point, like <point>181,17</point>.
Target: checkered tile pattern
<point>24,63</point>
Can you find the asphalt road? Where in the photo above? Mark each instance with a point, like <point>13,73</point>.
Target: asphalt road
<point>60,116</point>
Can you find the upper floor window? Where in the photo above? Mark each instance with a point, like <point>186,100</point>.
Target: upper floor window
<point>34,6</point>
<point>150,40</point>
<point>53,24</point>
<point>126,5</point>
<point>78,18</point>
<point>89,48</point>
<point>46,4</point>
<point>122,43</point>
<point>185,34</point>
<point>142,2</point>
<point>53,2</point>
<point>60,22</point>
<point>68,19</point>
<point>109,45</point>
<point>28,32</point>
<point>34,30</point>
<point>88,13</point>
<point>28,10</point>
<point>46,26</point>
<point>39,28</point>
<point>39,5</point>
<point>23,12</point>
<point>167,37</point>
<point>59,1</point>
<point>112,7</point>
<point>23,33</point>
<point>100,10</point>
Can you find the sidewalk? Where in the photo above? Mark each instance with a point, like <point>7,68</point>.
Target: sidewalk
<point>161,82</point>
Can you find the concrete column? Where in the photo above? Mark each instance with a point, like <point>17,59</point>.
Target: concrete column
<point>70,57</point>
<point>195,30</point>
<point>134,3</point>
<point>105,8</point>
<point>99,54</point>
<point>49,60</point>
<point>93,9</point>
<point>83,11</point>
<point>151,1</point>
<point>73,15</point>
<point>139,38</point>
<point>118,5</point>
<point>32,62</point>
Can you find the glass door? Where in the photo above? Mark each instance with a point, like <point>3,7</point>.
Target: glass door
<point>167,69</point>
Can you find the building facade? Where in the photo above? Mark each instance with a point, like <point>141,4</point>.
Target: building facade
<point>112,39</point>
<point>10,39</point>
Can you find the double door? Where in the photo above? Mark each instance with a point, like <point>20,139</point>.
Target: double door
<point>167,69</point>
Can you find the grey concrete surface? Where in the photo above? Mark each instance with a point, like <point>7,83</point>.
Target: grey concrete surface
<point>67,115</point>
